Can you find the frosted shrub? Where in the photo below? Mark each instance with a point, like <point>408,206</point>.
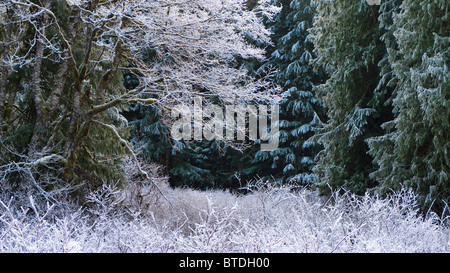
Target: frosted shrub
<point>267,219</point>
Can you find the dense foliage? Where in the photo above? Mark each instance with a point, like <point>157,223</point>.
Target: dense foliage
<point>86,89</point>
<point>387,96</point>
<point>346,38</point>
<point>300,110</point>
<point>70,68</point>
<point>415,145</point>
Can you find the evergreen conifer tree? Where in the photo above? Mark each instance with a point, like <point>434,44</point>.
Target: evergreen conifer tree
<point>414,151</point>
<point>347,44</point>
<point>300,110</point>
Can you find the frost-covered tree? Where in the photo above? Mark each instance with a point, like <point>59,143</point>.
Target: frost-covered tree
<point>414,151</point>
<point>195,164</point>
<point>63,64</point>
<point>300,110</point>
<point>387,96</point>
<point>347,44</point>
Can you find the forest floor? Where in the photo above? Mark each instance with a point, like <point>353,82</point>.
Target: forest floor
<point>268,219</point>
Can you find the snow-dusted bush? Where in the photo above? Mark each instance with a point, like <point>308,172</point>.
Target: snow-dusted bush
<point>268,219</point>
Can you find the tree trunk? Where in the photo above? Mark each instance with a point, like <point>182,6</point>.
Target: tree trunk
<point>77,101</point>
<point>5,70</point>
<point>55,97</point>
<point>36,90</point>
<point>78,131</point>
<point>69,147</point>
<point>109,75</point>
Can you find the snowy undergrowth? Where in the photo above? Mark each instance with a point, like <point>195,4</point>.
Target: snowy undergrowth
<point>268,219</point>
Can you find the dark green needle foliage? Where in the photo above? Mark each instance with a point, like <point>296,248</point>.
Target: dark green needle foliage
<point>300,111</point>
<point>414,151</point>
<point>347,44</point>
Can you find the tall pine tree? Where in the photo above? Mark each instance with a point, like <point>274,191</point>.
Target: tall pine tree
<point>300,110</point>
<point>347,43</point>
<point>415,149</point>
